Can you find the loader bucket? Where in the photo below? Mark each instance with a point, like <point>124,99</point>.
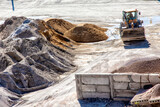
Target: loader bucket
<point>133,34</point>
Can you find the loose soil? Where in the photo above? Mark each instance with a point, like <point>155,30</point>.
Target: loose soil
<point>54,37</point>
<point>9,25</point>
<point>34,54</point>
<point>85,34</point>
<point>93,26</point>
<point>59,25</point>
<point>141,66</point>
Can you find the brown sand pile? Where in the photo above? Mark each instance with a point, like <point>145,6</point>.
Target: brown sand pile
<point>9,25</point>
<point>85,34</point>
<point>54,37</point>
<point>59,25</point>
<point>93,26</point>
<point>141,66</point>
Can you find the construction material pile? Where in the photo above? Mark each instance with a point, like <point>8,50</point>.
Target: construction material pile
<point>59,25</point>
<point>141,66</point>
<point>35,53</point>
<point>9,26</point>
<point>149,97</point>
<point>54,36</point>
<point>85,34</point>
<point>28,61</point>
<point>93,26</point>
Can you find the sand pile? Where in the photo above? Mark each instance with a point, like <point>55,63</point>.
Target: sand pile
<point>141,66</point>
<point>93,26</point>
<point>8,98</point>
<point>9,25</point>
<point>54,37</point>
<point>59,25</point>
<point>35,53</point>
<point>29,61</point>
<point>85,34</point>
<point>56,32</point>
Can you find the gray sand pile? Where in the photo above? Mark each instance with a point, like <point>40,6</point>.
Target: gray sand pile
<point>28,61</point>
<point>85,34</point>
<point>9,25</point>
<point>141,66</point>
<point>59,25</point>
<point>8,98</point>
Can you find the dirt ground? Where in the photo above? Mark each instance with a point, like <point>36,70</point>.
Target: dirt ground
<point>98,57</point>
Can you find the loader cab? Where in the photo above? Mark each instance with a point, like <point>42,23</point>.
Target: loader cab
<point>131,28</point>
<point>130,15</point>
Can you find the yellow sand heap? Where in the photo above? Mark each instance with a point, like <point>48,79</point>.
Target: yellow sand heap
<point>93,26</point>
<point>85,34</point>
<point>65,34</point>
<point>54,37</point>
<point>59,25</point>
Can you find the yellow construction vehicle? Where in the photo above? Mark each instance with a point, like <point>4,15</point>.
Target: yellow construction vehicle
<point>131,28</point>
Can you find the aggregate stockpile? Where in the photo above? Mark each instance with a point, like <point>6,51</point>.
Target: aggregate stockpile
<point>28,61</point>
<point>149,97</point>
<point>82,33</point>
<point>150,65</point>
<point>59,25</point>
<point>86,33</point>
<point>144,66</point>
<point>33,55</point>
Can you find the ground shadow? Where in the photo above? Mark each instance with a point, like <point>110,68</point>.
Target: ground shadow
<point>96,102</point>
<point>136,44</point>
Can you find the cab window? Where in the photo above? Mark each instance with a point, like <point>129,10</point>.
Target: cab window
<point>131,15</point>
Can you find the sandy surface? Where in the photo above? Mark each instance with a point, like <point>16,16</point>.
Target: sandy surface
<point>95,57</point>
<point>97,12</point>
<point>101,57</point>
